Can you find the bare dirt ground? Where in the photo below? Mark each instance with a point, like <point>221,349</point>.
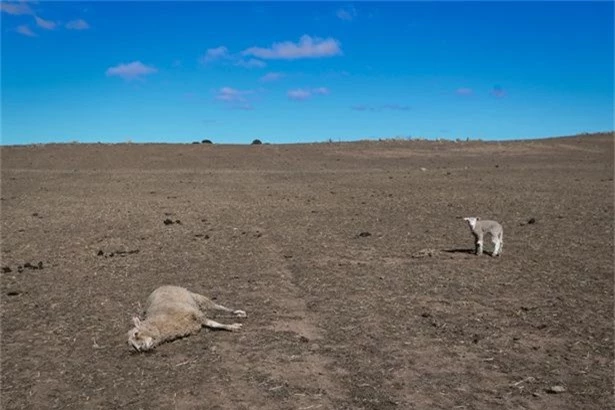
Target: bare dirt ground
<point>357,276</point>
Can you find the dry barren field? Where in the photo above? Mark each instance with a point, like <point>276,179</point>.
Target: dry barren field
<point>349,258</point>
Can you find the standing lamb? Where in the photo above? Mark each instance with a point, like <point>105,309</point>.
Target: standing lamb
<point>173,312</point>
<point>479,228</point>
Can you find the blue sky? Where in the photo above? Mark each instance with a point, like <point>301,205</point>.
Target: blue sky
<point>303,71</point>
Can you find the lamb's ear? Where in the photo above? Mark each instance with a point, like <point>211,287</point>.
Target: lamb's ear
<point>136,321</point>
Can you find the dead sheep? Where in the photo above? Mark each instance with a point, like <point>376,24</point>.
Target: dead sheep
<point>172,312</point>
<point>481,227</point>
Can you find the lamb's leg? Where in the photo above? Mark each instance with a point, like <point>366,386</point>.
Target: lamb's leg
<point>478,243</point>
<point>215,325</point>
<point>206,303</point>
<point>479,247</point>
<point>498,241</point>
<point>496,246</point>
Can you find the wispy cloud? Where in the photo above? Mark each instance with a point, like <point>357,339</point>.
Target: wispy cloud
<point>269,77</point>
<point>78,24</point>
<point>391,107</point>
<point>222,54</point>
<point>46,24</point>
<point>346,13</point>
<point>234,98</point>
<point>321,90</point>
<point>15,9</point>
<point>215,54</point>
<point>464,91</point>
<point>498,92</point>
<point>300,94</point>
<point>25,31</point>
<point>395,107</point>
<point>307,47</point>
<point>131,71</point>
<point>251,63</point>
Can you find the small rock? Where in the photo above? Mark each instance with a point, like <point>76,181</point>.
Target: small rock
<point>531,221</point>
<point>168,221</point>
<point>364,234</point>
<point>13,293</point>
<point>100,253</point>
<point>40,265</point>
<point>177,221</point>
<point>423,169</point>
<point>6,269</point>
<point>556,389</point>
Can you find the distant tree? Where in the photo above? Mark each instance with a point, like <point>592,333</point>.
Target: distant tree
<point>196,142</point>
<point>207,142</point>
<point>256,142</point>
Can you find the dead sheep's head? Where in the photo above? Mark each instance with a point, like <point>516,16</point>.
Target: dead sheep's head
<point>141,337</point>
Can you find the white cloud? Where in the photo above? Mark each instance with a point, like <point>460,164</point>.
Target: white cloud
<point>307,47</point>
<point>26,31</point>
<point>78,24</point>
<point>46,24</point>
<point>300,94</point>
<point>269,77</point>
<point>251,63</point>
<point>391,107</point>
<point>464,91</point>
<point>229,94</point>
<point>215,54</point>
<point>15,9</point>
<point>131,71</point>
<point>347,13</point>
<point>234,98</point>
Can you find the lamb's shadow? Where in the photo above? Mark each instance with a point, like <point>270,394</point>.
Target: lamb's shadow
<point>459,250</point>
<point>466,251</point>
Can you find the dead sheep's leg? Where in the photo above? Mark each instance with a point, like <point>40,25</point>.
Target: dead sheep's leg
<point>206,303</point>
<point>236,312</point>
<point>215,325</point>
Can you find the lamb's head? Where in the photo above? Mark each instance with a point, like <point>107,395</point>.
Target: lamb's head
<point>471,220</point>
<point>141,337</point>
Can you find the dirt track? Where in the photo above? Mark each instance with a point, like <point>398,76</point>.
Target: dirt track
<point>325,246</point>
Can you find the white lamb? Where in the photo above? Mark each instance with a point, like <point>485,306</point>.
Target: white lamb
<point>479,228</point>
<point>173,312</point>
